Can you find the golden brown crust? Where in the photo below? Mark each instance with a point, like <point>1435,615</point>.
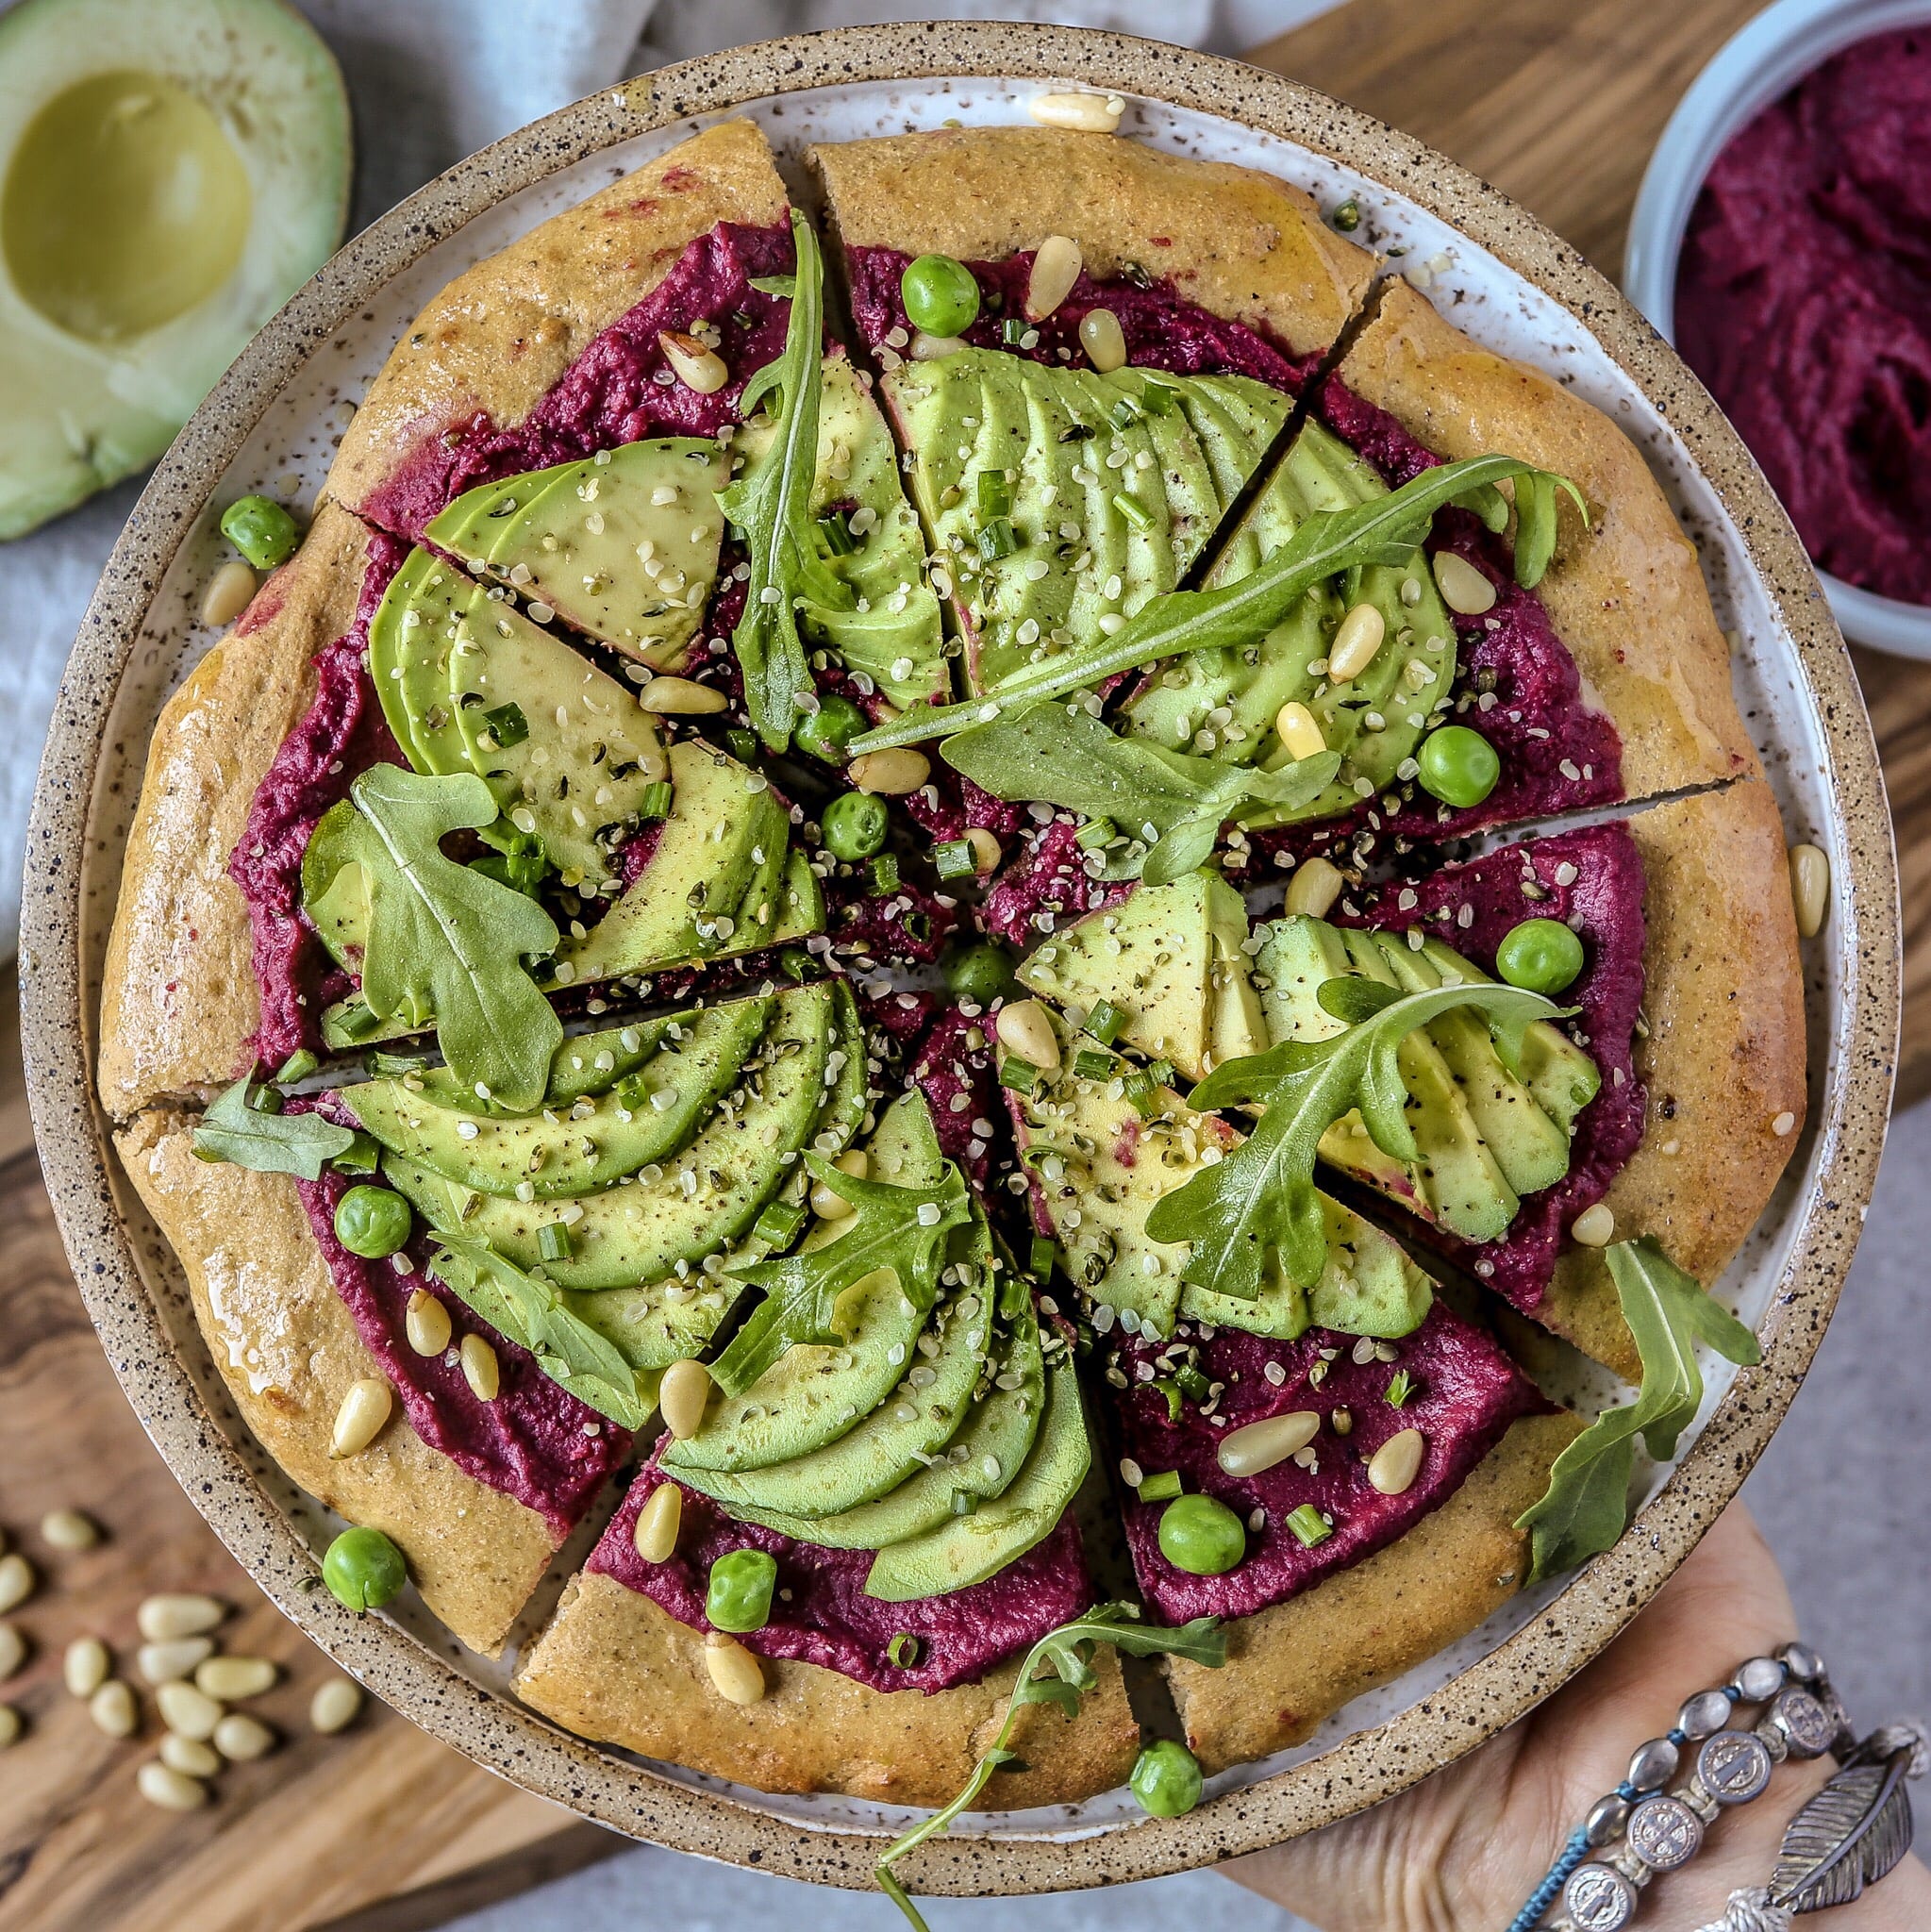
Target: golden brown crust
<point>1723,1060</point>
<point>1627,594</point>
<point>500,336</point>
<point>614,1667</point>
<point>1290,1667</point>
<point>1239,242</point>
<point>287,1349</point>
<point>179,1002</point>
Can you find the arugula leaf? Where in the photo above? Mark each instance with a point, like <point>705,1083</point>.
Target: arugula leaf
<point>533,1314</point>
<point>1587,1503</point>
<point>891,1228</point>
<point>1385,530</point>
<point>1061,754</point>
<point>445,941</point>
<point>1066,1654</point>
<point>235,1130</point>
<point>771,502</point>
<point>1261,1196</point>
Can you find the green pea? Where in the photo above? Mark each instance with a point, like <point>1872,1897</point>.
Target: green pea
<point>826,732</point>
<point>855,825</point>
<point>941,296</point>
<point>1540,956</point>
<point>363,1569</point>
<point>1201,1536</point>
<point>372,1221</point>
<point>980,972</point>
<point>1458,766</point>
<point>737,1597</point>
<point>261,530</point>
<point>1166,1779</point>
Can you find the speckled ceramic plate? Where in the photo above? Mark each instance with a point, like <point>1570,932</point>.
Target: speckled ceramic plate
<point>273,422</point>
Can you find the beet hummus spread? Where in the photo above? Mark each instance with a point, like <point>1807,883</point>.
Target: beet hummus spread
<point>1804,301</point>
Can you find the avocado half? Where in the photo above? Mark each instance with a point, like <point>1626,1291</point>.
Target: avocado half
<point>169,176</point>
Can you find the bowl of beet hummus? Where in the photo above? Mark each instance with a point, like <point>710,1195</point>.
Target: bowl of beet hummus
<point>1782,242</point>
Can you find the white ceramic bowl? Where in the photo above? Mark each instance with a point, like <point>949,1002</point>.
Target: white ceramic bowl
<point>1755,66</point>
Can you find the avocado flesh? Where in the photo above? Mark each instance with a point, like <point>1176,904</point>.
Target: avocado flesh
<point>589,1145</point>
<point>638,1232</point>
<point>408,663</point>
<point>623,545</point>
<point>969,1549</point>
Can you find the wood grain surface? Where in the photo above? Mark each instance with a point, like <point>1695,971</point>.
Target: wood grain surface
<point>1558,102</point>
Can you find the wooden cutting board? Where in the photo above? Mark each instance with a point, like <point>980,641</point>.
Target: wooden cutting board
<point>382,1830</point>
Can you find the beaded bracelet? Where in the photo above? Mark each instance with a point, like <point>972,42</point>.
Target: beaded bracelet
<point>1664,1830</point>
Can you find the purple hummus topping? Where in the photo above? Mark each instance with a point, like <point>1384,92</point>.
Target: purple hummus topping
<point>1043,885</point>
<point>1591,880</point>
<point>820,1613</point>
<point>1464,1392</point>
<point>621,389</point>
<point>955,1078</point>
<point>534,1441</point>
<point>906,927</point>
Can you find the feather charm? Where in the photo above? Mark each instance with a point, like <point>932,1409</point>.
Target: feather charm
<point>1852,1832</point>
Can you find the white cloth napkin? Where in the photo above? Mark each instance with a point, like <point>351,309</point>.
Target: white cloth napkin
<point>432,80</point>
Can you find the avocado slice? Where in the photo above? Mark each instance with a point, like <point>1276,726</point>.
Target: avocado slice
<point>639,1230</point>
<point>409,641</point>
<point>971,1548</point>
<point>623,545</point>
<point>588,1145</point>
<point>173,176</point>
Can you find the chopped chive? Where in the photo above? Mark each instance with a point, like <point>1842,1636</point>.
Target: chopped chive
<point>838,535</point>
<point>903,1651</point>
<point>1133,511</point>
<point>955,860</point>
<point>1166,1387</point>
<point>1161,1486</point>
<point>796,964</point>
<point>1095,833</point>
<point>1347,217</point>
<point>964,1503</point>
<point>1155,398</point>
<point>1012,331</point>
<point>392,1066</point>
<point>1139,1087</point>
<point>1161,1073</point>
<point>1105,1022</point>
<point>657,801</point>
<point>997,538</point>
<point>1039,1260</point>
<point>884,874</point>
<point>743,743</point>
<point>778,1225</point>
<point>553,1242</point>
<point>356,1021</point>
<point>1022,1076</point>
<point>265,1100</point>
<point>298,1066</point>
<point>1090,1064</point>
<point>363,1155</point>
<point>1193,1384</point>
<point>1124,414</point>
<point>1400,1387</point>
<point>506,724</point>
<point>995,494</point>
<point>1309,1525</point>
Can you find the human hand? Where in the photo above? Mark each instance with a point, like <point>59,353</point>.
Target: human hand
<point>1464,1849</point>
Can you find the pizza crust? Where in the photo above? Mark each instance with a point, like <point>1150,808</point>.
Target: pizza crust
<point>1241,243</point>
<point>287,1349</point>
<point>1290,1667</point>
<point>1625,596</point>
<point>612,1666</point>
<point>501,336</point>
<point>179,1002</point>
<point>1723,1060</point>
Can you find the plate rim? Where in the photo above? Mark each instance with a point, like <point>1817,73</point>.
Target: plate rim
<point>58,1028</point>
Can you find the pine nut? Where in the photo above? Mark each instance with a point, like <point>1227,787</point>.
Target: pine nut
<point>1025,1029</point>
<point>228,594</point>
<point>190,1712</point>
<point>168,1663</point>
<point>1396,1464</point>
<point>1104,340</point>
<point>190,1758</point>
<point>12,1651</point>
<point>987,851</point>
<point>682,1397</point>
<point>694,365</point>
<point>926,348</point>
<point>364,1409</point>
<point>171,1790</point>
<point>1056,263</point>
<point>1273,1440</point>
<point>1463,588</point>
<point>890,773</point>
<point>658,1524</point>
<point>1784,1125</point>
<point>427,1323</point>
<point>1089,113</point>
<point>680,697</point>
<point>10,1725</point>
<point>1299,730</point>
<point>69,1530</point>
<point>335,1706</point>
<point>161,1619</point>
<point>1593,1227</point>
<point>480,1369</point>
<point>240,1739</point>
<point>113,1710</point>
<point>826,1203</point>
<point>1356,639</point>
<point>734,1672</point>
<point>85,1666</point>
<point>1809,889</point>
<point>17,1580</point>
<point>232,1678</point>
<point>1314,887</point>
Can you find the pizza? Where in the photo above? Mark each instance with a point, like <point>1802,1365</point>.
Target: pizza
<point>980,919</point>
